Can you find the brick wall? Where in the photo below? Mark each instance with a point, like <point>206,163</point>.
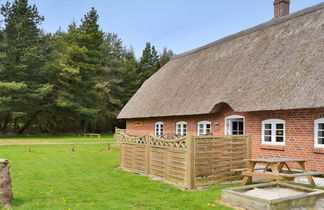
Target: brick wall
<point>281,8</point>
<point>299,131</point>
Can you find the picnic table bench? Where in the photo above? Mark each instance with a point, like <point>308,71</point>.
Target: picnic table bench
<point>274,170</point>
<point>90,134</point>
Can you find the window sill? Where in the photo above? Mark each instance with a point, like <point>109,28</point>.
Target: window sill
<point>318,150</point>
<point>273,147</point>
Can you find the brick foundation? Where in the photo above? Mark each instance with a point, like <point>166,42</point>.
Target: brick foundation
<point>299,131</point>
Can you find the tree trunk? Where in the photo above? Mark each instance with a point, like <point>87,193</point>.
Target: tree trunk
<point>5,125</point>
<point>84,126</point>
<point>5,184</point>
<point>28,123</point>
<point>15,125</point>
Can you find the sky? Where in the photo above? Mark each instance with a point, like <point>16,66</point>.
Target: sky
<point>180,25</point>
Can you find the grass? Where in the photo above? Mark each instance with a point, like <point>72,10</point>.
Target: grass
<point>51,178</point>
<point>54,139</point>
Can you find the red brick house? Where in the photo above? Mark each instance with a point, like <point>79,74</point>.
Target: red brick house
<point>267,81</point>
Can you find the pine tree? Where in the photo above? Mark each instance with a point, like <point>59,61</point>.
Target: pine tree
<point>148,64</point>
<point>109,85</point>
<point>130,78</point>
<point>80,52</point>
<point>70,81</point>
<point>26,90</point>
<point>165,57</point>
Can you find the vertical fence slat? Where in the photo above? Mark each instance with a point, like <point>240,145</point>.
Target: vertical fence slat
<point>190,161</point>
<point>121,160</point>
<point>249,146</point>
<point>148,155</point>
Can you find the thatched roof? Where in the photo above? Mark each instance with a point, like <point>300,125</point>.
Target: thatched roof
<point>276,65</point>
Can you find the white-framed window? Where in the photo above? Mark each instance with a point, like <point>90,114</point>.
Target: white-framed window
<point>273,132</point>
<point>319,133</point>
<point>204,127</point>
<point>181,128</point>
<point>159,128</point>
<point>234,125</point>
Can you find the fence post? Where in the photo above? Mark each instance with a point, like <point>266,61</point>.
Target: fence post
<point>121,155</point>
<point>249,145</point>
<point>148,155</point>
<point>190,159</point>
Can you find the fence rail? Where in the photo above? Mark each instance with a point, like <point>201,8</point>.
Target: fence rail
<point>189,162</point>
<point>59,143</point>
<point>55,143</point>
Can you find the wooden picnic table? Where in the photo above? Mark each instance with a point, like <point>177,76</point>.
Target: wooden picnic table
<point>274,170</point>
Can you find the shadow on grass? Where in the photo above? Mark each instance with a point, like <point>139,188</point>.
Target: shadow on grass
<point>18,201</point>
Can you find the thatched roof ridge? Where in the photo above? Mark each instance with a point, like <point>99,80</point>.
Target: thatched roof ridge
<point>276,65</point>
<point>255,28</point>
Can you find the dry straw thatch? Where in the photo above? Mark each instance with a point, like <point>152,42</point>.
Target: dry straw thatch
<point>276,65</point>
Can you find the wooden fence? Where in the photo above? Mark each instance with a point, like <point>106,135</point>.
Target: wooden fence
<point>188,162</point>
<point>117,135</point>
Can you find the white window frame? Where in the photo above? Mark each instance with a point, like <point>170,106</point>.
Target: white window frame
<point>204,123</point>
<point>316,130</point>
<point>182,124</point>
<point>158,128</point>
<point>273,123</point>
<point>230,118</point>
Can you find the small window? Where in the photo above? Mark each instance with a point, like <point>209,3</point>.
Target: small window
<point>181,128</point>
<point>204,128</point>
<point>234,125</point>
<point>159,129</point>
<point>273,132</point>
<point>319,133</point>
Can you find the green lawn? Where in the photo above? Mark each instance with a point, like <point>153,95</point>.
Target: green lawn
<point>58,139</point>
<point>51,178</point>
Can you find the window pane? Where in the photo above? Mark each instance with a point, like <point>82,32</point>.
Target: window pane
<point>235,132</point>
<point>321,141</point>
<point>279,133</point>
<point>279,139</point>
<point>321,126</point>
<point>241,127</point>
<point>184,126</point>
<point>207,130</point>
<point>320,133</point>
<point>267,138</point>
<point>267,126</point>
<point>201,131</point>
<point>208,126</point>
<point>201,125</point>
<point>234,125</point>
<point>280,126</point>
<point>267,132</point>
